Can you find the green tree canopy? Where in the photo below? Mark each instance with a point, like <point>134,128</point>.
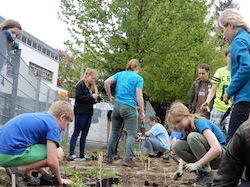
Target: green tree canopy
<point>169,37</point>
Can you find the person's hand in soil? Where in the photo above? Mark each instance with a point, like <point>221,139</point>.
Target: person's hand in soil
<point>192,167</point>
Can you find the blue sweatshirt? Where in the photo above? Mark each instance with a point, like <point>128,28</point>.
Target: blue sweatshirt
<point>239,87</point>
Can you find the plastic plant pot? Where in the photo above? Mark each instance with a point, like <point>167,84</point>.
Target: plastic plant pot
<point>146,183</point>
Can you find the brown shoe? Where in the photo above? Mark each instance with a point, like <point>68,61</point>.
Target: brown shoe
<point>128,162</point>
<point>108,161</point>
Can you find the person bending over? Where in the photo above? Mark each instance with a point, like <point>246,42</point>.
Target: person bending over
<point>204,145</point>
<point>30,141</point>
<point>157,138</point>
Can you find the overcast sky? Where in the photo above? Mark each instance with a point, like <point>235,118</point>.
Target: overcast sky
<point>39,18</point>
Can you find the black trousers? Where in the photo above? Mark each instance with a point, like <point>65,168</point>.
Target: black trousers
<point>239,115</point>
<point>244,184</point>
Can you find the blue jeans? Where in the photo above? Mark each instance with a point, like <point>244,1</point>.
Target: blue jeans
<point>127,115</point>
<point>152,144</point>
<point>82,124</point>
<point>216,117</point>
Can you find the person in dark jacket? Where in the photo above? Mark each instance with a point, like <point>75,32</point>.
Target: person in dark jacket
<point>86,95</point>
<point>236,160</point>
<point>199,91</point>
<point>9,31</point>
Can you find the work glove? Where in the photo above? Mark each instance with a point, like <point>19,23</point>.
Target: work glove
<point>192,167</point>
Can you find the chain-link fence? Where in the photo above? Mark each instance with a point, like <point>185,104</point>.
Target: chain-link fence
<point>20,90</point>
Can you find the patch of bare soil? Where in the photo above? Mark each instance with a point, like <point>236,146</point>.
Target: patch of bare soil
<point>160,172</point>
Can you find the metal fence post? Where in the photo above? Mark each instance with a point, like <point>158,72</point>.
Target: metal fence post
<point>37,103</point>
<point>3,50</point>
<point>3,60</point>
<point>16,66</point>
<point>47,100</point>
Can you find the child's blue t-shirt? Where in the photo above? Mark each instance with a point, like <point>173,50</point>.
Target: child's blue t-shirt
<point>176,134</point>
<point>28,129</point>
<point>203,124</point>
<point>126,84</point>
<point>161,134</point>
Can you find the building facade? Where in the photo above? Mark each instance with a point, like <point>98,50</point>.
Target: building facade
<point>42,59</point>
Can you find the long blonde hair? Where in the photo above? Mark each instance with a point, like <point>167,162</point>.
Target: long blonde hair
<point>133,64</point>
<point>87,73</point>
<point>233,17</point>
<point>178,109</point>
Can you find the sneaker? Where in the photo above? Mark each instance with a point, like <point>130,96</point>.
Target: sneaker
<point>166,157</point>
<point>13,170</point>
<point>31,181</point>
<point>151,156</point>
<point>108,161</point>
<point>71,157</point>
<point>47,179</point>
<point>79,159</point>
<point>19,176</point>
<point>116,157</point>
<point>128,162</point>
<point>159,154</point>
<point>204,178</point>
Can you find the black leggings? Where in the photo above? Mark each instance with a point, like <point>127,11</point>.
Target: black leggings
<point>239,115</point>
<point>244,184</point>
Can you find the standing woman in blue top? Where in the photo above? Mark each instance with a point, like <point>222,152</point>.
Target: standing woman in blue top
<point>236,32</point>
<point>128,96</point>
<point>86,95</point>
<point>157,138</point>
<point>205,143</point>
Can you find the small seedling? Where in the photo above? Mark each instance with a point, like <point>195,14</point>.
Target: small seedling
<point>100,160</point>
<point>165,176</point>
<point>149,161</point>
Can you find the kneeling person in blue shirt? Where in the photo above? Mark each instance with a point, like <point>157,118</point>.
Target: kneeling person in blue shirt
<point>157,138</point>
<point>31,141</point>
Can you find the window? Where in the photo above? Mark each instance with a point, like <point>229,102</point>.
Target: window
<point>24,38</point>
<point>48,52</point>
<point>52,55</point>
<point>34,45</point>
<point>41,72</point>
<point>44,50</point>
<point>29,42</point>
<point>39,48</point>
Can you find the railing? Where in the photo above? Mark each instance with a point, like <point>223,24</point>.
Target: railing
<point>20,90</point>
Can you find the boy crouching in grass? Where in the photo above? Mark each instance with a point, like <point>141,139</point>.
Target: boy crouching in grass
<point>31,141</point>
